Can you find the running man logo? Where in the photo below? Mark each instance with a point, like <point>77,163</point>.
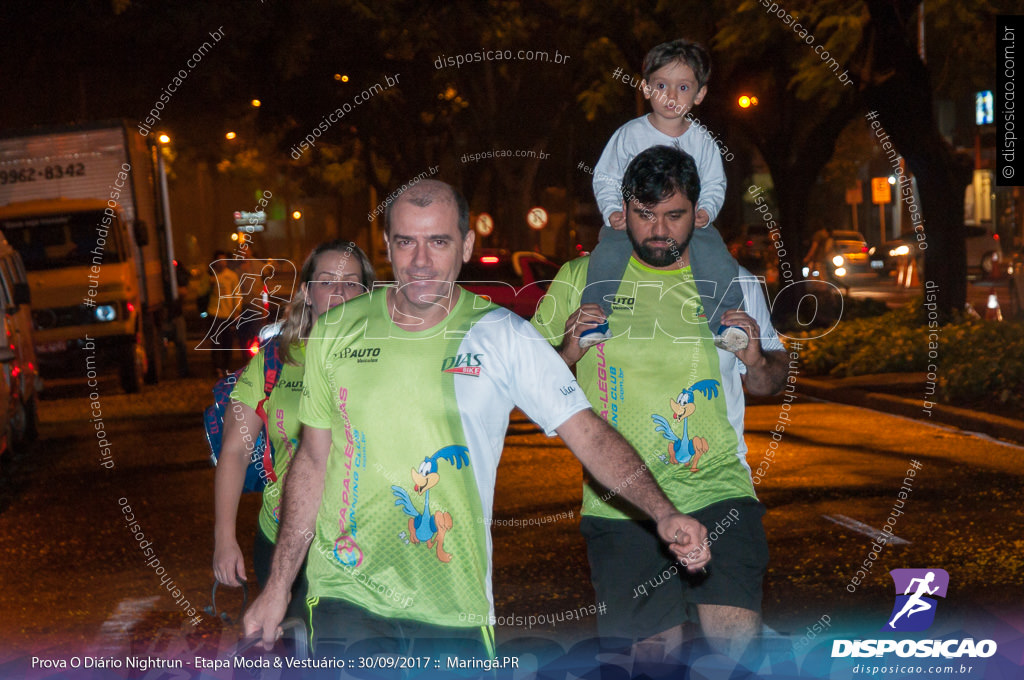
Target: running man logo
<point>914,609</point>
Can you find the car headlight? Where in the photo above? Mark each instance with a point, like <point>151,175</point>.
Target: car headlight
<point>105,313</point>
<point>840,271</point>
<point>838,260</point>
<point>903,250</point>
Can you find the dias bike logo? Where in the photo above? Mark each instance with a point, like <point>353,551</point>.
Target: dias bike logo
<point>914,611</point>
<point>464,364</point>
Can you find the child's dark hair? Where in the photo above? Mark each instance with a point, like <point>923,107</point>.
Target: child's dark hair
<point>690,53</point>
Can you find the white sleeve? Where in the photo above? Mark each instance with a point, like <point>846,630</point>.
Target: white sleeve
<point>608,173</point>
<point>755,304</point>
<point>537,378</point>
<point>708,158</point>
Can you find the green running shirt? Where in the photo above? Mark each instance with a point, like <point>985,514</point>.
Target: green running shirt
<point>662,383</point>
<point>283,419</point>
<point>418,423</point>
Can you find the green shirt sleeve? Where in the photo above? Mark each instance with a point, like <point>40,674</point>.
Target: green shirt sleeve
<point>561,300</point>
<point>249,388</point>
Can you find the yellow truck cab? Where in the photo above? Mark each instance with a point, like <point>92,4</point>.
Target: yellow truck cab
<point>86,207</point>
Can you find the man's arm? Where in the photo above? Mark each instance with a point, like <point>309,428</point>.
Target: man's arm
<point>766,371</point>
<point>610,459</point>
<point>303,490</point>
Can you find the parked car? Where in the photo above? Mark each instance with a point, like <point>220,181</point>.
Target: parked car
<point>849,254</point>
<point>20,383</point>
<point>983,248</point>
<point>755,251</point>
<point>885,260</point>
<point>517,281</point>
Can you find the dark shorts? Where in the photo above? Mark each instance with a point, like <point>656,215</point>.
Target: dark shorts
<point>262,556</point>
<point>340,629</point>
<point>646,591</point>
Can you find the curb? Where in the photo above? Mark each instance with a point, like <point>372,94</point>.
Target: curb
<point>993,425</point>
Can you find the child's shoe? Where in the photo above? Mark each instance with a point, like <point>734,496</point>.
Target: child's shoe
<point>597,334</point>
<point>730,338</point>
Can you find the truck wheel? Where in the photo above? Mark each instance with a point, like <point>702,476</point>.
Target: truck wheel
<point>154,348</point>
<point>987,263</point>
<point>31,433</point>
<point>133,369</point>
<point>24,425</point>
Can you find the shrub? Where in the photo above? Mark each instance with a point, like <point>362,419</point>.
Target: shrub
<point>978,363</point>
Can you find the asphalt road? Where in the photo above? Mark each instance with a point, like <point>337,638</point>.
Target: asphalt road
<point>72,577</point>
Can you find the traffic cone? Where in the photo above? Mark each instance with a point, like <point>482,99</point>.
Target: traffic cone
<point>992,310</point>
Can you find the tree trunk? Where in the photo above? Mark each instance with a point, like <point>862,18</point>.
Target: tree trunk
<point>895,84</point>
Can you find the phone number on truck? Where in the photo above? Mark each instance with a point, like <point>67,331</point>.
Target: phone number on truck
<point>49,172</point>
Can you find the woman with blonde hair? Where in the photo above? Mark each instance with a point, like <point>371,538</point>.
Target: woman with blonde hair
<point>335,272</point>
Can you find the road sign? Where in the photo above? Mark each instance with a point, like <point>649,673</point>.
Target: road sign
<point>855,195</point>
<point>250,221</point>
<point>537,218</point>
<point>880,190</point>
<point>484,224</point>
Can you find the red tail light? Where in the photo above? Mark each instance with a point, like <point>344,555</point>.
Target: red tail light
<point>254,348</point>
<point>489,259</point>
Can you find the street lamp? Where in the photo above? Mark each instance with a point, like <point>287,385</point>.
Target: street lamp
<point>746,101</point>
<point>230,135</point>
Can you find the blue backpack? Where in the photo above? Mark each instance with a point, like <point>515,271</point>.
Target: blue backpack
<point>213,419</point>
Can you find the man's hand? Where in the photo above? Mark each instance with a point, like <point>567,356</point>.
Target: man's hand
<point>617,220</point>
<point>265,614</point>
<point>751,356</point>
<point>701,218</point>
<point>686,539</point>
<point>584,318</point>
<point>766,371</point>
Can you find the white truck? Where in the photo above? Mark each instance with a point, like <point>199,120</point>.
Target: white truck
<point>86,207</point>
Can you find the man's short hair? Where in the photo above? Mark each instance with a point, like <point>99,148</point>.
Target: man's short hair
<point>690,53</point>
<point>424,193</point>
<point>659,172</point>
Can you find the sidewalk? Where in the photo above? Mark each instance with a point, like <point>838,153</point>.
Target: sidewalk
<point>903,394</point>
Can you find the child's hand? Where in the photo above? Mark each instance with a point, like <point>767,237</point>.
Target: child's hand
<point>702,218</point>
<point>617,220</point>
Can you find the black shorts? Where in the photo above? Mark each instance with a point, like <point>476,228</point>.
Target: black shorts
<point>646,591</point>
<point>340,629</point>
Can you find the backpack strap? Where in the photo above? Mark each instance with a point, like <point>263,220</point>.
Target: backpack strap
<point>271,372</point>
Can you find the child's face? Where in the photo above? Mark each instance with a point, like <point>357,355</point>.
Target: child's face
<point>673,90</point>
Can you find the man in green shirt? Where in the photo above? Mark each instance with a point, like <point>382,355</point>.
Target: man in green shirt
<point>662,383</point>
<point>407,396</point>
